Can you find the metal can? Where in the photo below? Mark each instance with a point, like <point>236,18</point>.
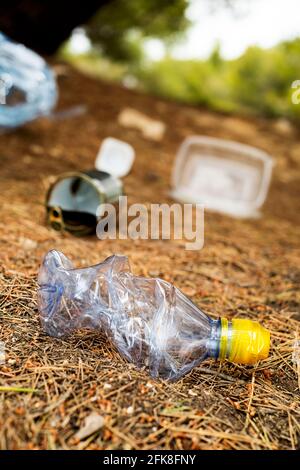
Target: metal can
<point>73,200</point>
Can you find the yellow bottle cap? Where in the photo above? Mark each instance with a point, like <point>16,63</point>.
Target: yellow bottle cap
<point>243,341</point>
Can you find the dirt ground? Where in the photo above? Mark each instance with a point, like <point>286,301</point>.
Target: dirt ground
<point>246,268</point>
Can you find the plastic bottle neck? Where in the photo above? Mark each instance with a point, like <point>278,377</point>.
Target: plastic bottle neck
<point>213,347</point>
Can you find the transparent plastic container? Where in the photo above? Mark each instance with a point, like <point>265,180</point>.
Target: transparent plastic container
<point>151,322</point>
<point>27,85</point>
<point>223,175</point>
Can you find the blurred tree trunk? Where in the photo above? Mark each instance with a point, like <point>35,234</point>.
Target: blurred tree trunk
<point>44,25</point>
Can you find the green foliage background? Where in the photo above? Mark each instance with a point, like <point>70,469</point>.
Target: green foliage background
<point>259,82</point>
<point>120,27</point>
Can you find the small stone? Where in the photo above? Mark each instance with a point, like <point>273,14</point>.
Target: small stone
<point>153,273</point>
<point>55,152</point>
<point>28,244</point>
<point>149,385</point>
<point>284,127</point>
<point>36,149</point>
<point>151,129</point>
<point>92,423</point>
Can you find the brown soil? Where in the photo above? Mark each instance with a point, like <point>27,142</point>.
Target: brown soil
<point>246,268</point>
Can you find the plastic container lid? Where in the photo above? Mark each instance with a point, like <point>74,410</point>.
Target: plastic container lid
<point>115,157</point>
<point>223,175</point>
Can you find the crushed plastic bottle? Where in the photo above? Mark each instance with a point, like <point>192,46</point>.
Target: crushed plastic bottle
<point>27,85</point>
<point>151,322</point>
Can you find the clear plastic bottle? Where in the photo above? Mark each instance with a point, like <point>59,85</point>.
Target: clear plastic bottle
<point>151,322</point>
<point>27,85</point>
